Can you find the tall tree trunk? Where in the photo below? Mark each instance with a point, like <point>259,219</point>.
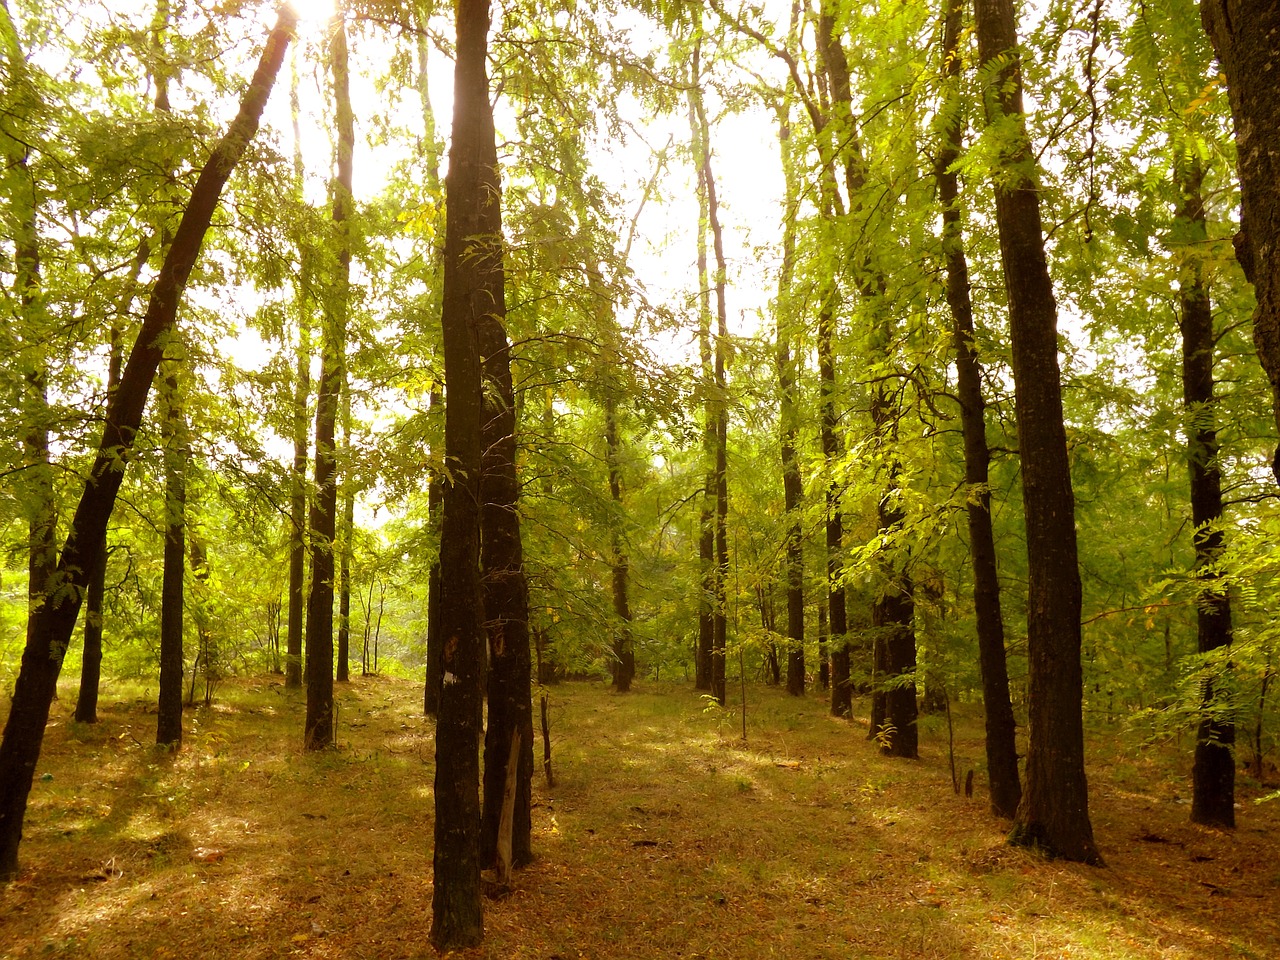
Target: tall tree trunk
<point>435,487</point>
<point>1213,774</point>
<point>343,672</point>
<point>172,666</point>
<point>624,654</point>
<point>703,655</point>
<point>55,620</point>
<point>832,450</point>
<point>1246,37</point>
<point>506,592</point>
<point>509,734</point>
<point>96,591</point>
<point>788,419</point>
<point>297,525</point>
<point>1054,812</point>
<point>319,730</point>
<point>435,640</point>
<point>894,697</point>
<point>718,407</point>
<point>472,288</point>
<point>37,494</point>
<point>1002,752</point>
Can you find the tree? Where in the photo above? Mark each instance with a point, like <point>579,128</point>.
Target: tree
<point>1244,35</point>
<point>717,412</point>
<point>1054,812</point>
<point>1213,772</point>
<point>319,731</point>
<point>788,417</point>
<point>54,621</point>
<point>172,607</point>
<point>1002,751</point>
<point>472,289</point>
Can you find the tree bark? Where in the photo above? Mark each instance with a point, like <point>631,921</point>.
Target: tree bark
<point>717,407</point>
<point>435,640</point>
<point>1001,746</point>
<point>1054,811</point>
<point>297,525</point>
<point>707,611</point>
<point>1246,37</point>
<point>472,289</point>
<point>624,654</point>
<point>55,620</point>
<point>319,731</point>
<point>435,488</point>
<point>172,666</point>
<point>788,420</point>
<point>342,673</point>
<point>1213,773</point>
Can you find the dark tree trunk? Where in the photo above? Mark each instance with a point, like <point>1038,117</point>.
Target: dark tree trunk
<point>95,593</point>
<point>506,592</point>
<point>172,607</point>
<point>435,640</point>
<point>1213,774</point>
<point>894,609</point>
<point>1002,753</point>
<point>837,618</point>
<point>824,660</point>
<point>472,290</point>
<point>55,620</point>
<point>319,730</point>
<point>91,659</point>
<point>624,654</point>
<point>717,410</point>
<point>35,482</point>
<point>1054,812</point>
<point>298,515</point>
<point>704,655</point>
<point>301,397</point>
<point>342,674</point>
<point>435,491</point>
<point>1246,38</point>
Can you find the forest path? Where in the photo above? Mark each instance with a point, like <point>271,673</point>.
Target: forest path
<point>666,836</point>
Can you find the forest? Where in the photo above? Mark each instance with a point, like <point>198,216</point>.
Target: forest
<point>883,396</point>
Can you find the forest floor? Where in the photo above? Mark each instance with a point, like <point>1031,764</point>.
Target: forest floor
<point>665,836</point>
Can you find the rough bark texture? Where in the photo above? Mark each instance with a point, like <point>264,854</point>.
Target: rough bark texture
<point>172,594</point>
<point>1054,812</point>
<point>95,593</point>
<point>55,620</point>
<point>788,422</point>
<point>624,654</point>
<point>708,612</point>
<point>894,707</point>
<point>342,671</point>
<point>837,615</point>
<point>457,919</point>
<point>1001,728</point>
<point>718,426</point>
<point>1246,37</point>
<point>506,592</point>
<point>301,396</point>
<point>319,730</point>
<point>298,516</point>
<point>1213,774</point>
<point>435,640</point>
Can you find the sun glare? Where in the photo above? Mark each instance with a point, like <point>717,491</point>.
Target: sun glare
<point>313,11</point>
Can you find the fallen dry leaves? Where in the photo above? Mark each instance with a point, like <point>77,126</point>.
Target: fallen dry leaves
<point>665,836</point>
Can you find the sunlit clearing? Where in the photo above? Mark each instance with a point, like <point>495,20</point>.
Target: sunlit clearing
<point>315,11</point>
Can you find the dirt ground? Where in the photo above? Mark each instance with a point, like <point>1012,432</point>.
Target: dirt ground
<point>665,835</point>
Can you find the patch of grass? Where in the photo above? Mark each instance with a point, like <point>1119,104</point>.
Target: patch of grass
<point>667,835</point>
